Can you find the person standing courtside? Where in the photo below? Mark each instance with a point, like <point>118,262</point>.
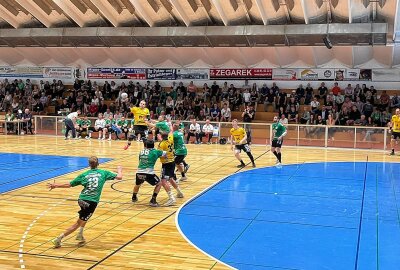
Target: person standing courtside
<point>70,123</point>
<point>239,143</point>
<point>278,132</point>
<point>395,130</point>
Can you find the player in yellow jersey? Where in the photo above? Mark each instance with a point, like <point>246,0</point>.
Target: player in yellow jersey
<point>395,130</point>
<point>168,167</point>
<point>239,143</point>
<point>140,114</point>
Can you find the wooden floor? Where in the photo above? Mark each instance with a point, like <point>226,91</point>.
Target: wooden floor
<point>120,235</point>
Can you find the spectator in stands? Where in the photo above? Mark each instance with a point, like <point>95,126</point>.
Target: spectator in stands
<point>275,89</point>
<point>201,116</point>
<point>347,103</point>
<point>238,101</point>
<point>368,109</point>
<point>314,105</point>
<point>336,89</point>
<point>357,92</point>
<point>225,90</point>
<point>305,117</point>
<point>343,116</point>
<point>215,113</point>
<point>263,93</point>
<point>369,96</point>
<point>300,93</point>
<point>27,121</point>
<point>360,105</point>
<point>169,105</point>
<point>77,85</point>
<point>283,120</point>
<point>322,92</point>
<point>215,92</point>
<point>293,115</point>
<point>292,102</point>
<point>349,91</point>
<point>309,94</point>
<point>270,98</point>
<point>207,131</point>
<point>248,114</point>
<point>246,86</point>
<point>354,115</point>
<point>395,102</point>
<point>192,89</point>
<point>226,113</point>
<point>254,99</point>
<point>339,100</point>
<point>384,101</point>
<point>194,131</point>
<point>246,97</point>
<point>93,109</point>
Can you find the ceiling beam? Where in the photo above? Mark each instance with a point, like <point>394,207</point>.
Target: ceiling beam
<point>40,3</point>
<point>106,12</point>
<point>206,5</point>
<point>91,6</point>
<point>260,7</point>
<point>118,8</point>
<point>234,5</point>
<point>70,12</point>
<point>154,5</point>
<point>221,12</point>
<point>9,7</point>
<point>193,5</point>
<point>128,6</point>
<point>167,5</point>
<point>8,17</point>
<point>142,12</point>
<point>78,4</point>
<point>304,7</point>
<point>350,6</point>
<point>35,11</point>
<point>54,6</point>
<point>181,12</point>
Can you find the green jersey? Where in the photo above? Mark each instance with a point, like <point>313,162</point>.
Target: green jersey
<point>182,126</point>
<point>132,122</point>
<point>93,182</point>
<point>147,160</point>
<point>163,127</point>
<point>83,122</point>
<point>278,129</point>
<point>9,117</point>
<point>110,122</point>
<point>179,143</point>
<point>122,123</point>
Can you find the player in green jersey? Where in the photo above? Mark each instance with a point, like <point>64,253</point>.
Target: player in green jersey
<point>180,151</point>
<point>93,183</point>
<point>109,123</point>
<point>83,126</point>
<point>123,124</point>
<point>278,132</point>
<point>145,173</point>
<point>162,126</point>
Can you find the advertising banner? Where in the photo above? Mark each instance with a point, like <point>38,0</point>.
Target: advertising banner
<point>386,75</point>
<point>193,74</point>
<point>116,73</point>
<point>240,73</point>
<point>58,72</point>
<point>352,74</point>
<point>316,74</point>
<point>285,74</point>
<point>161,74</point>
<point>37,72</point>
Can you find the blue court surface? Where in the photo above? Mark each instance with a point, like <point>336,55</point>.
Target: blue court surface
<point>338,215</point>
<point>19,170</point>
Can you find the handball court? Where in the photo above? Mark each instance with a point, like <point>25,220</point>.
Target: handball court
<point>122,235</point>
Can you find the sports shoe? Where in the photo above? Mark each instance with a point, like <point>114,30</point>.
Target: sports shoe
<point>87,137</point>
<point>278,165</point>
<point>154,204</point>
<point>254,165</point>
<point>66,138</point>
<point>126,146</point>
<point>391,153</point>
<point>186,168</point>
<point>183,178</point>
<point>241,166</point>
<point>99,138</point>
<point>134,199</point>
<point>80,238</point>
<point>171,201</point>
<point>109,139</point>
<point>179,195</point>
<point>56,242</point>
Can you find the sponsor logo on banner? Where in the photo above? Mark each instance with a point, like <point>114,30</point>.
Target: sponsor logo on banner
<point>58,72</point>
<point>386,75</point>
<point>37,72</point>
<point>285,74</point>
<point>161,74</point>
<point>241,73</point>
<point>116,73</point>
<point>192,74</point>
<point>339,74</point>
<point>365,74</point>
<point>317,74</point>
<point>352,74</point>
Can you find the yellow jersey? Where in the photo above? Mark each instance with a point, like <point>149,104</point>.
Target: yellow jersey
<point>396,123</point>
<point>140,115</point>
<point>238,134</point>
<point>167,146</point>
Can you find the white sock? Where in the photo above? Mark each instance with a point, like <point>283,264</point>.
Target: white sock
<point>170,195</point>
<point>61,236</point>
<point>81,230</point>
<point>109,136</point>
<point>90,134</point>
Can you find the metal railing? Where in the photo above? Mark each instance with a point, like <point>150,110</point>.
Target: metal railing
<point>260,133</point>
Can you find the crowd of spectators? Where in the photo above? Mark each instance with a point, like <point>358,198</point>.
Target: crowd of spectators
<point>348,106</point>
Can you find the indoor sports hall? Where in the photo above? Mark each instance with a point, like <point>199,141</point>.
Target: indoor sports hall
<point>286,111</point>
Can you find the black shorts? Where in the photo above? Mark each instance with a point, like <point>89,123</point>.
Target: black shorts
<point>140,129</point>
<point>168,170</point>
<point>87,209</point>
<point>152,179</point>
<point>245,147</point>
<point>277,143</point>
<point>179,159</point>
<point>395,135</point>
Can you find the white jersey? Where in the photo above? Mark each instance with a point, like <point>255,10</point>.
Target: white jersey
<point>72,116</point>
<point>208,128</point>
<point>195,128</point>
<point>100,123</point>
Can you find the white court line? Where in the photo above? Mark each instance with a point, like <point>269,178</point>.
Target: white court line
<point>21,250</point>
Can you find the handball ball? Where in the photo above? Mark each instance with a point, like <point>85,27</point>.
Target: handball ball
<point>124,95</point>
